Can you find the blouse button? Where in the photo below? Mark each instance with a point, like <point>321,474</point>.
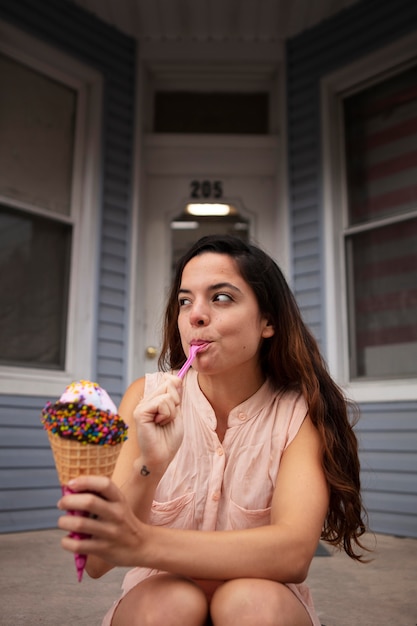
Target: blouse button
<point>215,496</point>
<point>220,451</point>
<point>242,416</point>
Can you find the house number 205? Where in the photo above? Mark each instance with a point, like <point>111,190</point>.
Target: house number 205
<point>206,189</point>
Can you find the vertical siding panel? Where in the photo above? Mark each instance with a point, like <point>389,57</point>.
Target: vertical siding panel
<point>28,492</point>
<point>387,434</point>
<point>351,34</point>
<point>29,488</point>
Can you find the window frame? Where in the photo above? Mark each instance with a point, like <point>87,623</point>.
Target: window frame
<point>333,89</point>
<point>85,193</point>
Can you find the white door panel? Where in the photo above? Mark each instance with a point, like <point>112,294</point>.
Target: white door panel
<point>252,191</point>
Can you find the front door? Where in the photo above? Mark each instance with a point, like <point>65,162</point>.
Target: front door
<point>240,171</point>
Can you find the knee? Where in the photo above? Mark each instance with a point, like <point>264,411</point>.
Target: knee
<point>163,601</point>
<point>244,602</point>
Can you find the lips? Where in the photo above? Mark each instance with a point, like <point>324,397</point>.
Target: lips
<point>200,342</point>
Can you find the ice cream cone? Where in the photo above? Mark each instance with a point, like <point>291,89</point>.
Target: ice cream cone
<point>73,458</point>
<point>85,434</point>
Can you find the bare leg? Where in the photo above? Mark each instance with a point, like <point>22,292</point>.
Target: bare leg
<point>249,601</point>
<point>163,600</point>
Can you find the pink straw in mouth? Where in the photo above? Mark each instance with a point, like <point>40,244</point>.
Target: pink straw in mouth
<point>194,348</point>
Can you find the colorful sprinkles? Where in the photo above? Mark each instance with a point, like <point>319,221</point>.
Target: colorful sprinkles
<point>83,422</point>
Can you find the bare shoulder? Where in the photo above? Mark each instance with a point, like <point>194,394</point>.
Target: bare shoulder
<point>306,447</point>
<point>130,448</point>
<point>133,395</point>
<point>136,389</point>
<point>307,434</point>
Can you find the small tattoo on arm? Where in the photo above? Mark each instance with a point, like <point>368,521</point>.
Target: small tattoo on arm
<point>144,471</point>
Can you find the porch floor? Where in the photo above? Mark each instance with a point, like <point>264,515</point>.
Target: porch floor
<point>38,585</point>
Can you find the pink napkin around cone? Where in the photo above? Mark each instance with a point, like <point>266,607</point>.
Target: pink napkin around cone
<point>80,559</point>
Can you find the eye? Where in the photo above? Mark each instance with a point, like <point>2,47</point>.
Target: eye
<point>222,297</point>
<point>184,301</point>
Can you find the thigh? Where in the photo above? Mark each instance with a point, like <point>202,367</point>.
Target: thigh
<point>248,601</point>
<point>162,600</point>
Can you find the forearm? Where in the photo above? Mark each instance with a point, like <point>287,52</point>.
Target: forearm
<point>273,552</point>
<point>139,490</point>
<point>281,551</point>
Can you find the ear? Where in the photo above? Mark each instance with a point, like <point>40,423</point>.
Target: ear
<point>268,330</point>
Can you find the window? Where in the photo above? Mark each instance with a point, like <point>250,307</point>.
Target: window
<point>215,112</point>
<point>186,229</point>
<point>380,127</point>
<point>34,272</point>
<point>369,133</point>
<point>37,127</point>
<point>49,147</point>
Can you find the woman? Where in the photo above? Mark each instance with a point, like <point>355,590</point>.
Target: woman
<point>254,447</point>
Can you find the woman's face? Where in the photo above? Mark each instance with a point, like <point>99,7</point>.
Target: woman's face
<point>217,306</point>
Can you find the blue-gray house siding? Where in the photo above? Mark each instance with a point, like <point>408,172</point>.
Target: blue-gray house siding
<point>28,483</point>
<point>387,432</point>
<point>388,443</point>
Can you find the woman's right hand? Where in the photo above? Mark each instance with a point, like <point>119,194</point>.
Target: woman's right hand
<point>155,433</point>
<point>159,425</point>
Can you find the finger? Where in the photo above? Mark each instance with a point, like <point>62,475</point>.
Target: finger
<point>152,406</point>
<point>74,545</point>
<point>171,385</point>
<point>84,503</point>
<point>167,411</point>
<point>172,378</point>
<point>89,485</point>
<point>175,385</point>
<point>81,546</point>
<point>80,524</point>
<point>97,547</point>
<point>162,408</point>
<point>91,515</point>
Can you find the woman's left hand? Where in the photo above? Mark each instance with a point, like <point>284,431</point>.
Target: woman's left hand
<point>116,534</point>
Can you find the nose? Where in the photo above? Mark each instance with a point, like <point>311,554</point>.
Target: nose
<point>199,315</point>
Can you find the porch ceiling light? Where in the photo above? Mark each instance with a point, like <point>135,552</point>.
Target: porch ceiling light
<point>184,225</point>
<point>207,208</point>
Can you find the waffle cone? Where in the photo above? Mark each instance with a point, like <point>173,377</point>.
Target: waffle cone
<point>73,458</point>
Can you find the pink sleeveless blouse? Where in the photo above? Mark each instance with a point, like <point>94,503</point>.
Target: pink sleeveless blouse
<point>213,485</point>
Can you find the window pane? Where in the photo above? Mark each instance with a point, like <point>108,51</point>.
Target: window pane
<point>37,121</point>
<point>381,148</point>
<point>34,272</point>
<point>382,274</point>
<point>186,229</point>
<point>222,113</point>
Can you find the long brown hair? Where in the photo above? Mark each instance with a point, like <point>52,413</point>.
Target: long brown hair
<point>290,359</point>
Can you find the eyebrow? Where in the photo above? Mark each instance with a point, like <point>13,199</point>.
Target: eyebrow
<point>215,287</point>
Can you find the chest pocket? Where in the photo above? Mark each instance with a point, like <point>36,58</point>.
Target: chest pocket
<point>176,513</point>
<point>239,518</point>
